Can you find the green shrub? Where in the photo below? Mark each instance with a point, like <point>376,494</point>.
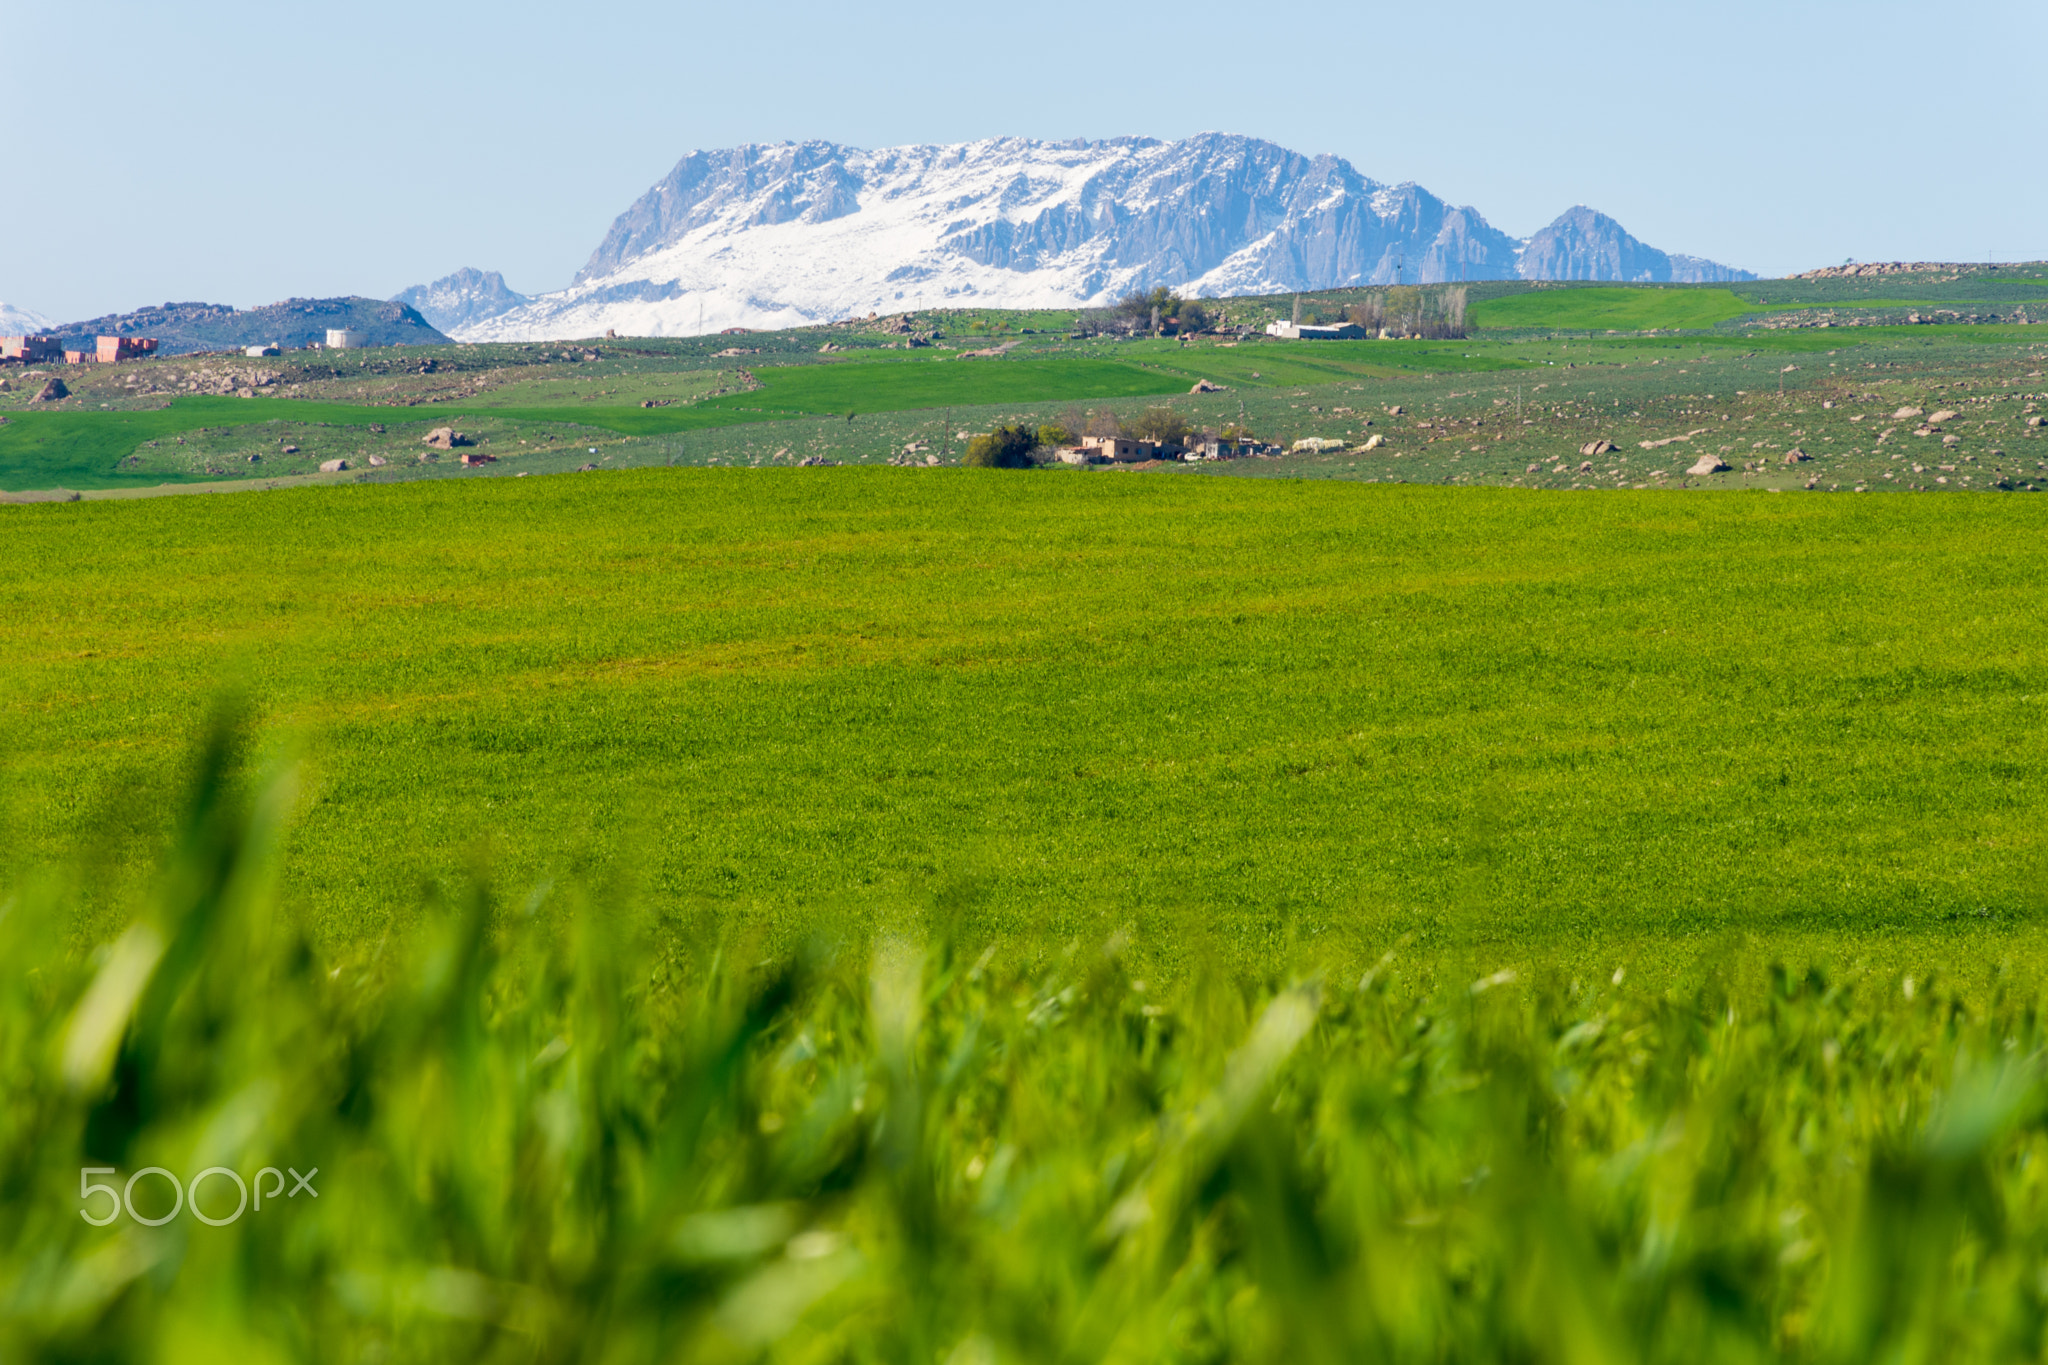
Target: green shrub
<point>1053,434</point>
<point>1006,447</point>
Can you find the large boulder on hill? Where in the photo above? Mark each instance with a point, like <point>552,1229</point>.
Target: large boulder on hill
<point>51,392</point>
<point>445,438</point>
<point>1707,464</point>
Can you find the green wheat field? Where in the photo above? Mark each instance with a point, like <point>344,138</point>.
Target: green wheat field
<point>972,916</point>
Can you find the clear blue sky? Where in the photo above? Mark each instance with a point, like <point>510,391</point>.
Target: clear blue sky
<point>243,152</point>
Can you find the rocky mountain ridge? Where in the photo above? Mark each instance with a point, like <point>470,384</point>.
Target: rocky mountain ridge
<point>783,234</point>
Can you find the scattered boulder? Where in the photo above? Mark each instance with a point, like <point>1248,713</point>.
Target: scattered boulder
<point>1796,456</point>
<point>1373,442</point>
<point>1585,466</point>
<point>378,462</point>
<point>51,391</point>
<point>478,457</point>
<point>1396,410</point>
<point>1945,415</point>
<point>445,438</point>
<point>333,466</point>
<point>291,450</point>
<point>1903,413</point>
<point>1204,386</point>
<point>1951,439</point>
<point>1598,448</point>
<point>2034,421</point>
<point>377,428</point>
<point>1707,464</point>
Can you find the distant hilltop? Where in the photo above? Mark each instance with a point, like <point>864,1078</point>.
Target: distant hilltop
<point>785,234</point>
<point>181,328</point>
<point>1860,269</point>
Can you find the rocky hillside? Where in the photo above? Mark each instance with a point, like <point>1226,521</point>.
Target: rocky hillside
<point>185,327</point>
<point>785,234</point>
<point>453,302</point>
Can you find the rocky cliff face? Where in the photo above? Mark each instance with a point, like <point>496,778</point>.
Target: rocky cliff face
<point>456,301</point>
<point>783,234</point>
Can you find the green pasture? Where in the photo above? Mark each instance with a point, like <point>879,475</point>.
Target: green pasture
<point>1618,308</point>
<point>1249,710</point>
<point>870,385</point>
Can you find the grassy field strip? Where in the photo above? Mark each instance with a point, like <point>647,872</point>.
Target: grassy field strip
<point>1620,308</point>
<point>1269,707</point>
<point>900,384</point>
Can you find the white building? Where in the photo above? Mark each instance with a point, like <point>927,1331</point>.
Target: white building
<point>1308,331</point>
<point>343,339</point>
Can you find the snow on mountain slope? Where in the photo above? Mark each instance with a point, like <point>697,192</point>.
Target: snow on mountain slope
<point>16,322</point>
<point>785,234</point>
<point>454,301</point>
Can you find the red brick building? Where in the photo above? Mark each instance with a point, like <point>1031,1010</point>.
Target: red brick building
<point>115,349</point>
<point>29,350</point>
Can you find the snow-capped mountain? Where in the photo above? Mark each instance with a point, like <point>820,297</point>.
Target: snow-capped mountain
<point>15,322</point>
<point>791,233</point>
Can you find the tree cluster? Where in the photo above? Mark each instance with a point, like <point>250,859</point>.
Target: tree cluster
<point>1007,447</point>
<point>1412,311</point>
<point>1138,312</point>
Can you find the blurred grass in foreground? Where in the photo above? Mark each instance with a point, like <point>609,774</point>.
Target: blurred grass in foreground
<point>549,1130</point>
